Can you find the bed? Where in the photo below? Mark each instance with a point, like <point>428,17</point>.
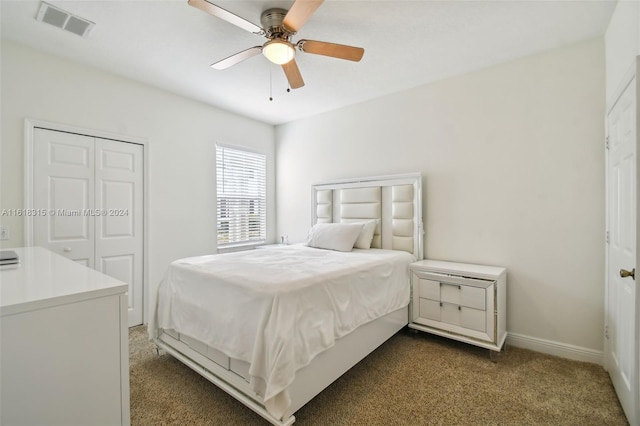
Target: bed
<point>274,326</point>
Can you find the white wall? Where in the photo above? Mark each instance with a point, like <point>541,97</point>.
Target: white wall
<point>622,44</point>
<point>181,136</point>
<point>513,164</point>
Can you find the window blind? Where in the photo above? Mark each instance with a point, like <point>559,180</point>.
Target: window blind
<point>241,196</point>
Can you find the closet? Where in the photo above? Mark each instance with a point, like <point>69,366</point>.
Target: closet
<point>88,205</point>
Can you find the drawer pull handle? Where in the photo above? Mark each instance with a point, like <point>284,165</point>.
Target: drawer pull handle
<point>459,308</point>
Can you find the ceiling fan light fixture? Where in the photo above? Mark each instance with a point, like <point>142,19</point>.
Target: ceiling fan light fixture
<point>278,51</point>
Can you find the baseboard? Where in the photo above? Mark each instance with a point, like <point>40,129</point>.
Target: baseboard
<point>550,347</point>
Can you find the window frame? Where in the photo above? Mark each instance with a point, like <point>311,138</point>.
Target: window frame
<point>250,199</point>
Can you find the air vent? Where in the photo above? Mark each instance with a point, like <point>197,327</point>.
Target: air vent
<point>60,18</point>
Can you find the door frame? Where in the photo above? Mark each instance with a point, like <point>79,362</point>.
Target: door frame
<point>30,124</point>
<point>631,73</point>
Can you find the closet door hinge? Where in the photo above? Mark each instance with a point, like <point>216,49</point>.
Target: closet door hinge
<point>607,237</point>
<point>606,332</point>
<point>606,142</point>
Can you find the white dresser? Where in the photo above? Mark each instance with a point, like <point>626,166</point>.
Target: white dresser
<point>64,354</point>
<point>461,301</point>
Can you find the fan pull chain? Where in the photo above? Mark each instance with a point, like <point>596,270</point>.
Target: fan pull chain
<point>271,86</point>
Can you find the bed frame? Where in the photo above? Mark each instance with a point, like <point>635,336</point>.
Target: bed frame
<point>395,202</point>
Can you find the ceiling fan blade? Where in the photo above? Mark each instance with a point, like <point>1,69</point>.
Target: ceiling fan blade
<point>238,57</point>
<point>292,72</point>
<point>300,12</point>
<point>221,13</point>
<point>334,50</point>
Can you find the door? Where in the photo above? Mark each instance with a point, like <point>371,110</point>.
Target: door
<point>89,192</point>
<point>622,349</point>
<point>63,192</point>
<point>119,229</point>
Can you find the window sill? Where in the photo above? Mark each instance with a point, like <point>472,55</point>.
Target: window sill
<point>239,247</point>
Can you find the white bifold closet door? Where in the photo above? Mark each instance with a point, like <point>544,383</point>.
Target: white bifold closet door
<point>88,193</point>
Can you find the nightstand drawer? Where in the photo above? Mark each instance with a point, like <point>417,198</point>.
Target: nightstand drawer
<point>472,297</point>
<point>429,289</point>
<point>429,309</point>
<point>474,319</point>
<point>463,292</point>
<point>447,313</point>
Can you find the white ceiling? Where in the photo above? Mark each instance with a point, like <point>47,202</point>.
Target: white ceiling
<point>408,43</point>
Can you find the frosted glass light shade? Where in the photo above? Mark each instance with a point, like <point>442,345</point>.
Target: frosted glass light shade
<point>278,51</point>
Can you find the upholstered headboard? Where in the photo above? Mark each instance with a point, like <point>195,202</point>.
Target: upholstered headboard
<point>395,202</point>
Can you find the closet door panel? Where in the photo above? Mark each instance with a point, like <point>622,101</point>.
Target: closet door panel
<point>119,223</point>
<point>64,194</point>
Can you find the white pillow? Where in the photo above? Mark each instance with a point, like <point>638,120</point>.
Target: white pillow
<point>334,236</point>
<point>366,235</point>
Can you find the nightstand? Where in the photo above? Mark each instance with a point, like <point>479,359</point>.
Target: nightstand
<point>460,301</point>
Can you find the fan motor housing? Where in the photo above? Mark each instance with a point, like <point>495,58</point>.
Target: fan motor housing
<point>271,20</point>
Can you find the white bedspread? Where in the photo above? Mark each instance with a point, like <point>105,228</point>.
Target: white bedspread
<point>277,308</point>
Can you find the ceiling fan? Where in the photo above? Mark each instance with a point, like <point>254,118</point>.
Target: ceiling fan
<point>279,26</point>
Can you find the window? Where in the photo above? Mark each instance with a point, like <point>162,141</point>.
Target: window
<point>242,196</point>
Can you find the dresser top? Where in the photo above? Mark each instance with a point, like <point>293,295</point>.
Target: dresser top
<point>464,269</point>
<point>44,279</point>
